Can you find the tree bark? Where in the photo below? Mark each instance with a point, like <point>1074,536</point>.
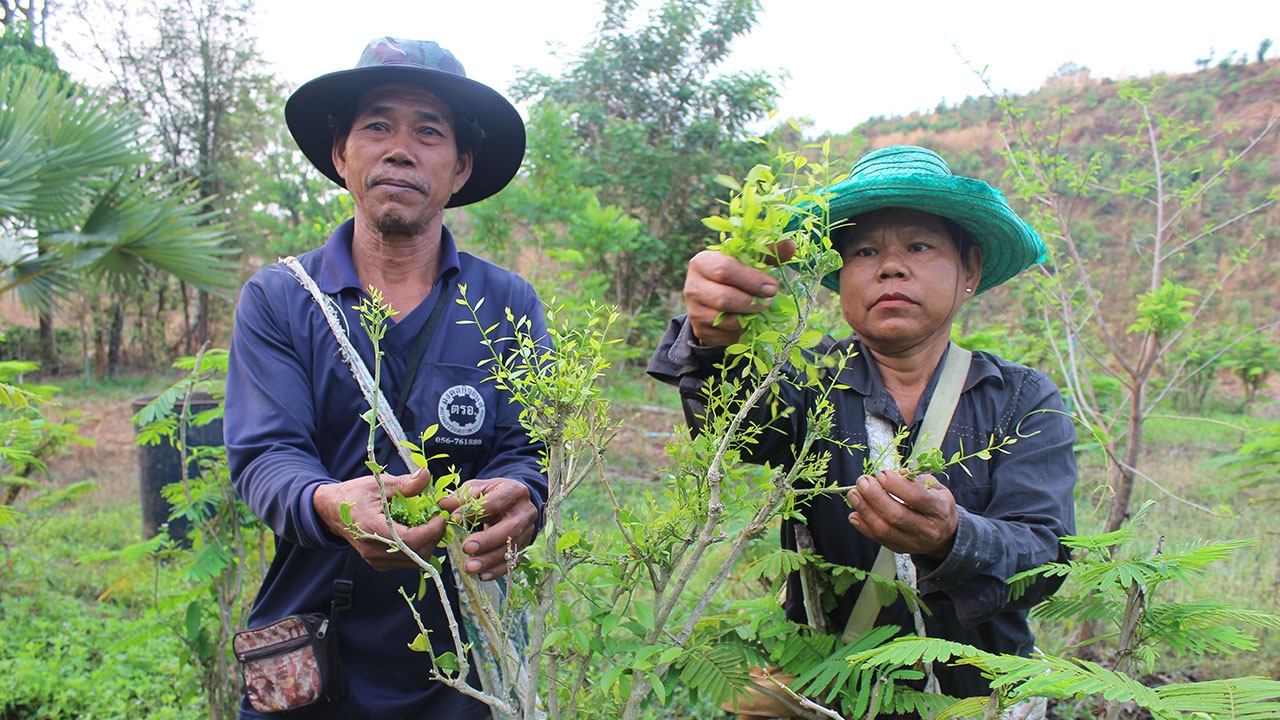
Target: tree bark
<point>116,338</point>
<point>50,361</point>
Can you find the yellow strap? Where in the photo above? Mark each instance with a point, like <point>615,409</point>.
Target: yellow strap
<point>867,607</point>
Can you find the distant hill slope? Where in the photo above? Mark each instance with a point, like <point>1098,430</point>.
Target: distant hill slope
<point>1233,102</point>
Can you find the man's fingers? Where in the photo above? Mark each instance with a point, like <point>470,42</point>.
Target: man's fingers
<point>782,252</point>
<point>408,485</point>
<point>718,291</point>
<point>508,516</point>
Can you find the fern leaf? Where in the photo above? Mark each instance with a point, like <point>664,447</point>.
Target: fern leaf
<point>1248,698</point>
<point>716,672</point>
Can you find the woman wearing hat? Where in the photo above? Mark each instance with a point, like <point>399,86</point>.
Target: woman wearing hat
<point>917,243</point>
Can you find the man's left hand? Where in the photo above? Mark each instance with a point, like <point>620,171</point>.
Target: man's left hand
<point>923,523</point>
<point>506,516</point>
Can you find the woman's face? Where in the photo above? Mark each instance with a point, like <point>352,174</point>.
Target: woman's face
<point>903,280</point>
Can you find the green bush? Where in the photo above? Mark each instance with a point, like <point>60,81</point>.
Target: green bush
<point>23,343</point>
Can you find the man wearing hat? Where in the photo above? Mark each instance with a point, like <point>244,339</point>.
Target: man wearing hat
<point>408,135</point>
<point>917,242</point>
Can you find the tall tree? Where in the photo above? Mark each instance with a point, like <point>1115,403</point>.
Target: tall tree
<point>21,45</point>
<point>655,120</point>
<point>1118,312</point>
<point>193,71</point>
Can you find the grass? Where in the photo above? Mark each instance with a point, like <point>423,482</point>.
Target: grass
<point>72,647</point>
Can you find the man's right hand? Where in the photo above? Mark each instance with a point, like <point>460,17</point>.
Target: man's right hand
<point>366,513</point>
<point>720,287</point>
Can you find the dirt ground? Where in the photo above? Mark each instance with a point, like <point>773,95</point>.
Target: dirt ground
<point>112,461</point>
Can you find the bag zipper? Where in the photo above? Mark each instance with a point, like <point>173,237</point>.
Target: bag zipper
<point>272,650</point>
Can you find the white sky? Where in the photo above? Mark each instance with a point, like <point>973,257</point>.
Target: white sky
<point>848,60</point>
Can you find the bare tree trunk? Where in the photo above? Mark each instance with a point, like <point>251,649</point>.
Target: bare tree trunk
<point>50,361</point>
<point>116,337</point>
<point>188,347</point>
<point>202,318</point>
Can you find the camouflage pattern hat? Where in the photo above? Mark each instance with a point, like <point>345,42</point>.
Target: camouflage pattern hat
<point>316,109</point>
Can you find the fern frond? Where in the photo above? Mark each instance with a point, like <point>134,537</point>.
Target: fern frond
<point>1247,698</point>
<point>1204,626</point>
<point>160,407</point>
<point>1049,676</point>
<point>67,495</point>
<point>9,516</point>
<point>715,672</point>
<point>14,397</point>
<point>777,564</point>
<point>1185,565</point>
<point>1080,607</point>
<point>910,650</point>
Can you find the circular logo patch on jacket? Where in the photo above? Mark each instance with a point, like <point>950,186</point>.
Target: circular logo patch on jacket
<point>461,410</point>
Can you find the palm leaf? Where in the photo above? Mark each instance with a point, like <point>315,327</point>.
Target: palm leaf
<point>40,280</point>
<point>82,138</point>
<point>149,222</point>
<point>21,103</point>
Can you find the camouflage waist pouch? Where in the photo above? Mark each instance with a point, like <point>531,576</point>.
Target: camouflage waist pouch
<point>290,665</point>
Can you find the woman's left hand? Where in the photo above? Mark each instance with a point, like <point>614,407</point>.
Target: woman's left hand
<point>915,516</point>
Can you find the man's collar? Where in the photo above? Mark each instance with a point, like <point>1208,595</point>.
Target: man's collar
<point>338,270</point>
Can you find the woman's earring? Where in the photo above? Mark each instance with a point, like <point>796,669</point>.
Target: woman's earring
<point>968,290</point>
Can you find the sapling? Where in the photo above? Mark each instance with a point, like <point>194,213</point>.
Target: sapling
<point>496,647</point>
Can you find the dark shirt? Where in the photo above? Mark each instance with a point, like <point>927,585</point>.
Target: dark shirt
<point>1012,508</point>
<point>293,421</point>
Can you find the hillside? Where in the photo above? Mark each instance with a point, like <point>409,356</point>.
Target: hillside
<point>1083,118</point>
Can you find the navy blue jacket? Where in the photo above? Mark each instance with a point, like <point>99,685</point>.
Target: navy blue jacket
<point>1012,508</point>
<point>293,422</point>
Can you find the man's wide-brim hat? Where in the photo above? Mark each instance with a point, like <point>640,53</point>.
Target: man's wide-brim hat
<point>907,176</point>
<point>313,108</point>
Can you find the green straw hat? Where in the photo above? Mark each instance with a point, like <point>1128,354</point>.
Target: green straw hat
<point>907,176</point>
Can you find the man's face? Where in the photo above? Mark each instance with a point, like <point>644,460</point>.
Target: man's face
<point>903,280</point>
<point>400,159</point>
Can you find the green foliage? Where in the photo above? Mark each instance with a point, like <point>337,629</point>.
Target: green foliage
<point>72,176</point>
<point>18,46</point>
<point>1253,359</point>
<point>89,659</point>
<point>1164,310</point>
<point>617,609</point>
<point>78,643</point>
<point>654,117</point>
<point>1257,461</point>
<point>31,439</point>
<point>776,205</point>
<point>21,343</point>
<point>1157,183</point>
<point>210,605</point>
<point>571,242</point>
<point>1122,593</point>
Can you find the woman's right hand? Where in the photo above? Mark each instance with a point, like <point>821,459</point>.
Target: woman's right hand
<point>719,289</point>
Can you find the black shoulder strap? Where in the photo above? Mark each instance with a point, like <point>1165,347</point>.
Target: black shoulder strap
<point>415,361</point>
<point>343,586</point>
